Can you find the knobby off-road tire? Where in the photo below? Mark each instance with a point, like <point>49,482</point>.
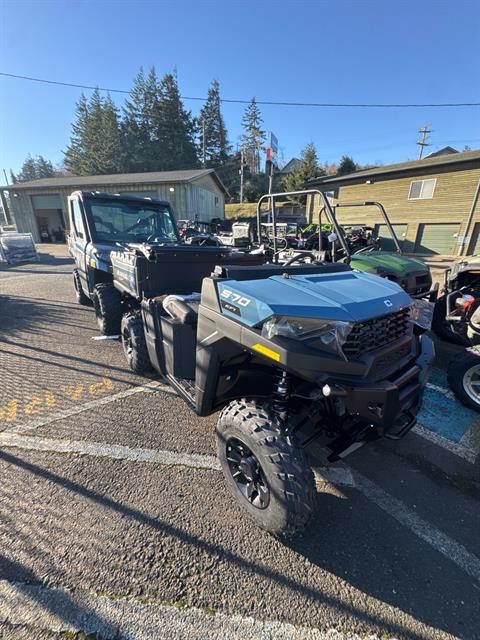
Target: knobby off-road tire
<point>134,343</point>
<point>79,293</point>
<point>462,372</point>
<point>283,468</point>
<point>441,327</point>
<point>107,303</point>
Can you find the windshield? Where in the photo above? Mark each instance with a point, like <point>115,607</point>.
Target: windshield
<point>132,222</point>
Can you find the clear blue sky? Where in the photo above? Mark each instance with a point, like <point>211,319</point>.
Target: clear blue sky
<point>311,51</point>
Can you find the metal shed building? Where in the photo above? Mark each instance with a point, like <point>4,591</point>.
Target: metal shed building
<point>41,205</point>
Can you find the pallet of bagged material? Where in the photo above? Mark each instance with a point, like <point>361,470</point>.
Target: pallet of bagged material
<point>17,247</point>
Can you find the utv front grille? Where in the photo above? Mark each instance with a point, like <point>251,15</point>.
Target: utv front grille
<point>374,334</point>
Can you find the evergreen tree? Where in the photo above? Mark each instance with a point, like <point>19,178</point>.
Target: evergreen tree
<point>142,151</point>
<point>33,169</point>
<point>74,153</point>
<point>306,170</point>
<point>95,147</point>
<point>175,128</point>
<point>253,135</point>
<point>212,130</point>
<point>109,152</point>
<point>347,165</point>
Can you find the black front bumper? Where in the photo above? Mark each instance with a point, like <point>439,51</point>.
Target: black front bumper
<point>386,408</point>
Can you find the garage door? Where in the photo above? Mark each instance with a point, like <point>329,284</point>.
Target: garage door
<point>386,242</point>
<point>474,246</point>
<point>437,238</point>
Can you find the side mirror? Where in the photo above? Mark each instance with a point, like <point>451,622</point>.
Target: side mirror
<point>332,237</point>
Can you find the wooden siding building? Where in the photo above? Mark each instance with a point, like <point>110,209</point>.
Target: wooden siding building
<point>42,204</point>
<point>433,203</point>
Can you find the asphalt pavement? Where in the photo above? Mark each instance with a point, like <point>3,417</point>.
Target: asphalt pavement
<point>115,520</point>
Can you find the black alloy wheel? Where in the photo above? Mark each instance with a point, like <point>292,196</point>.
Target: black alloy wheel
<point>247,473</point>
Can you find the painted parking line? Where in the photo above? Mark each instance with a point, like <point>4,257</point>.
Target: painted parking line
<point>102,450</point>
<point>442,413</point>
<point>340,476</point>
<point>438,540</point>
<point>445,545</point>
<point>70,611</point>
<point>443,390</point>
<point>468,451</point>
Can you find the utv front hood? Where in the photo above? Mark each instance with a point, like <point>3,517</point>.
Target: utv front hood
<point>384,263</point>
<point>345,296</point>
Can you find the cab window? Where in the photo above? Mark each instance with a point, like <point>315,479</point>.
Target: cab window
<point>77,219</point>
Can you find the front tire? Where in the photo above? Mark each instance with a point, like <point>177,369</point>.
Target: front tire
<point>107,302</point>
<point>79,293</point>
<point>266,471</point>
<point>134,343</point>
<point>464,378</point>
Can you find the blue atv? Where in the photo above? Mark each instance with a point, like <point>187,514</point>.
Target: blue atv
<point>294,356</point>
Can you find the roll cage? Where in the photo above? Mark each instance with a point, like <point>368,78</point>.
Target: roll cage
<point>379,205</point>
<point>327,208</point>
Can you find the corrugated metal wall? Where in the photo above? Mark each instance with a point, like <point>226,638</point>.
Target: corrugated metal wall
<point>187,199</point>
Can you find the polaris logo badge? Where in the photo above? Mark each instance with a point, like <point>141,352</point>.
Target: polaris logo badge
<point>388,303</point>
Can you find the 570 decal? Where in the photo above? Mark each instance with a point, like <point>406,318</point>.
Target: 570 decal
<point>236,298</point>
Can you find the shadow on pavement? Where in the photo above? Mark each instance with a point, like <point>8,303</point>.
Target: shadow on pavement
<point>356,564</point>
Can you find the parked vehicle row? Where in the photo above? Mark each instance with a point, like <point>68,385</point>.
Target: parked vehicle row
<point>293,351</point>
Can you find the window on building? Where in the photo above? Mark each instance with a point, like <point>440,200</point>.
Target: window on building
<point>77,219</point>
<point>422,189</point>
<point>216,201</point>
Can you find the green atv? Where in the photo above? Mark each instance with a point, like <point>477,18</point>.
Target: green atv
<point>356,246</point>
<point>412,274</point>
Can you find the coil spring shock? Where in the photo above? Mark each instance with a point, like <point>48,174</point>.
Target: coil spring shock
<point>280,399</point>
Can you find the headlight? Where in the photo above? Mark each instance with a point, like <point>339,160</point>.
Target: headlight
<point>328,334</point>
<point>421,313</point>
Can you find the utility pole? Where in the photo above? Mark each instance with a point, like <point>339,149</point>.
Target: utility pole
<point>425,131</point>
<point>270,189</point>
<point>241,175</point>
<point>203,142</point>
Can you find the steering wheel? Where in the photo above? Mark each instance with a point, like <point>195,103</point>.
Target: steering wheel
<point>280,247</point>
<point>299,256</point>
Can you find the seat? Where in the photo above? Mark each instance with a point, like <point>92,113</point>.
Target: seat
<point>259,272</point>
<point>182,311</point>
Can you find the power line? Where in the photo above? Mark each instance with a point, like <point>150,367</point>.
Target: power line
<point>262,102</point>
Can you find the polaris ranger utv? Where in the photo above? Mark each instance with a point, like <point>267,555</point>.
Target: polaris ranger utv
<point>99,223</point>
<point>290,354</point>
<point>103,222</point>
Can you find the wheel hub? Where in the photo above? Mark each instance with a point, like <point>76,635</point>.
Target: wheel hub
<point>471,383</point>
<point>247,474</point>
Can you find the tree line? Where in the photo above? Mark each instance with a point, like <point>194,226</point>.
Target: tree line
<point>153,131</point>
